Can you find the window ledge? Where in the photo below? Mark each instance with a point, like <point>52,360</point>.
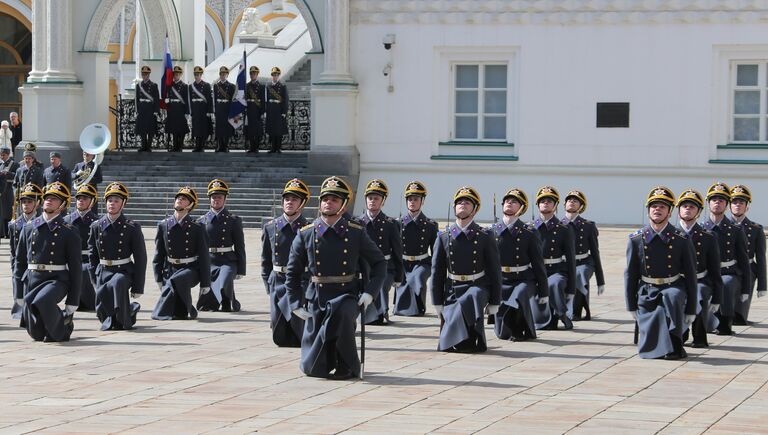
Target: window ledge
<point>743,146</point>
<point>738,162</point>
<point>458,143</point>
<point>476,157</point>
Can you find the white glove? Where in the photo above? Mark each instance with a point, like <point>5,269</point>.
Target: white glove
<point>761,293</point>
<point>80,172</point>
<point>283,115</point>
<point>204,290</point>
<point>713,308</point>
<point>302,313</point>
<point>20,302</point>
<point>365,300</point>
<point>439,309</point>
<point>239,277</point>
<point>135,295</point>
<point>600,289</point>
<point>492,309</point>
<point>544,300</point>
<point>396,284</point>
<point>689,318</point>
<point>634,314</point>
<point>69,309</point>
<point>744,297</point>
<point>212,116</point>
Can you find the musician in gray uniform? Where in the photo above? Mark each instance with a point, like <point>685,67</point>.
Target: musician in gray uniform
<point>82,171</point>
<point>8,169</point>
<point>29,171</point>
<point>118,262</point>
<point>276,239</point>
<point>277,111</point>
<point>557,241</point>
<point>587,254</point>
<point>227,251</point>
<point>201,102</point>
<point>181,260</point>
<point>660,281</point>
<point>734,263</point>
<point>385,233</point>
<point>690,203</point>
<point>177,109</point>
<point>48,269</point>
<point>331,248</point>
<point>741,198</point>
<point>419,234</point>
<point>30,198</point>
<point>254,98</point>
<point>147,109</point>
<point>223,94</point>
<point>523,274</point>
<point>466,277</point>
<point>81,219</point>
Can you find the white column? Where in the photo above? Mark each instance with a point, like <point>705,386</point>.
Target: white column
<point>39,40</point>
<point>137,38</point>
<point>59,42</point>
<point>336,57</point>
<point>226,24</point>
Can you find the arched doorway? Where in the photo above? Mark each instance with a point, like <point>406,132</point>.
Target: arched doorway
<point>15,62</point>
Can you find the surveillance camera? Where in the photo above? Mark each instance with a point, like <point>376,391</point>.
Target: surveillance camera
<point>388,41</point>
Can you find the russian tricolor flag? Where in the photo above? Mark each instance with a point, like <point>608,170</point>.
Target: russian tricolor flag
<point>167,80</point>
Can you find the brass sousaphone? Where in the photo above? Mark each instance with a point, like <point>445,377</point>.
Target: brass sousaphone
<point>94,139</point>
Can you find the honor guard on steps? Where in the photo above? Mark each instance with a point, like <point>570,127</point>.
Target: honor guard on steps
<point>29,171</point>
<point>118,262</point>
<point>30,198</point>
<point>418,234</point>
<point>177,109</point>
<point>276,239</point>
<point>48,269</point>
<point>227,251</point>
<point>332,247</point>
<point>741,198</point>
<point>690,203</point>
<point>587,254</point>
<point>466,277</point>
<point>57,171</point>
<point>524,277</point>
<point>734,263</point>
<point>81,219</point>
<point>660,280</point>
<point>385,232</point>
<point>181,260</point>
<point>147,98</point>
<point>8,169</point>
<point>223,93</point>
<point>557,241</point>
<point>254,98</point>
<point>277,111</point>
<point>201,103</point>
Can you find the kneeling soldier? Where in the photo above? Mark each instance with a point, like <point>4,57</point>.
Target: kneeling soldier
<point>30,199</point>
<point>660,281</point>
<point>227,248</point>
<point>277,237</point>
<point>48,269</point>
<point>181,260</point>
<point>113,241</point>
<point>81,219</point>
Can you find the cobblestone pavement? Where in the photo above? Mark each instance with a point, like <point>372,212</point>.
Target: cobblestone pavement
<point>222,374</point>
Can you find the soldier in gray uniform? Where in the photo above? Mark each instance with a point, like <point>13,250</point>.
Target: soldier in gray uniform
<point>29,171</point>
<point>201,108</point>
<point>30,198</point>
<point>48,269</point>
<point>81,219</point>
<point>557,241</point>
<point>57,171</point>
<point>276,239</point>
<point>523,274</point>
<point>223,94</point>
<point>8,169</point>
<point>181,260</point>
<point>147,109</point>
<point>690,203</point>
<point>466,277</point>
<point>254,98</point>
<point>227,248</point>
<point>385,233</point>
<point>741,198</point>
<point>660,281</point>
<point>419,234</point>
<point>587,254</point>
<point>734,263</point>
<point>277,111</point>
<point>177,103</point>
<point>118,262</point>
<point>331,248</point>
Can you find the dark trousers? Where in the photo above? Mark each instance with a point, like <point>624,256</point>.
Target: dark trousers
<point>275,142</point>
<point>178,142</point>
<point>146,142</point>
<point>199,144</point>
<point>222,145</point>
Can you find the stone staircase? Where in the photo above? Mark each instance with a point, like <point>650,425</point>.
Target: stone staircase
<point>255,181</point>
<point>300,82</point>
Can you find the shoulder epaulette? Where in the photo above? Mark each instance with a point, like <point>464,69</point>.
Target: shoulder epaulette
<point>305,227</point>
<point>636,233</point>
<point>354,225</point>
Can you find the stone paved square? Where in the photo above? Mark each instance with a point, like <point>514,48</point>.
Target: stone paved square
<point>222,374</point>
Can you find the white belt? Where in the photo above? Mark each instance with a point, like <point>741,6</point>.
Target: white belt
<point>252,100</point>
<point>466,278</point>
<point>701,275</point>
<point>660,281</point>
<point>223,249</point>
<point>46,267</point>
<point>198,100</point>
<point>583,256</point>
<point>515,269</point>
<point>725,264</point>
<point>173,100</point>
<point>274,101</point>
<point>387,257</point>
<point>415,257</point>
<point>554,260</point>
<point>182,260</point>
<point>119,262</point>
<point>85,252</point>
<point>144,100</point>
<point>284,269</point>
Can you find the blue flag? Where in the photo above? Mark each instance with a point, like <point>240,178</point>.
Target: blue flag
<point>237,108</point>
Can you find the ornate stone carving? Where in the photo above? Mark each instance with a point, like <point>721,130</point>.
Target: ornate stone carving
<point>252,25</point>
